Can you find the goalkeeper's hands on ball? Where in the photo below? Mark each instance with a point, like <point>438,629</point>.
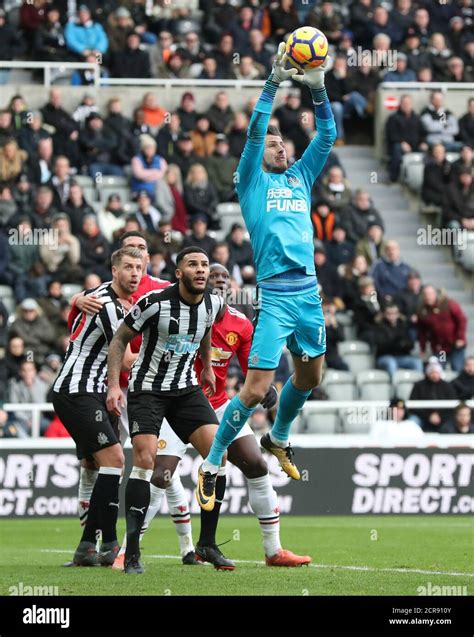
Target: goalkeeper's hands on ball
<point>279,73</point>
<point>314,77</point>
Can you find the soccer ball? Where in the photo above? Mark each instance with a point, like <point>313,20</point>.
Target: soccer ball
<point>307,48</point>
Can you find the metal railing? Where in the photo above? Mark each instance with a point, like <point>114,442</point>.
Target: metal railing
<point>47,67</point>
<point>309,408</point>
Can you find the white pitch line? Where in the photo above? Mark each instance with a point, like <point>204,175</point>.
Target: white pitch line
<point>367,569</point>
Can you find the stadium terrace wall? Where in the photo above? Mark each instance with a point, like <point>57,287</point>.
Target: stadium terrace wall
<point>38,480</point>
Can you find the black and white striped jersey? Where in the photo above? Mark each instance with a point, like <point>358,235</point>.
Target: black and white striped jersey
<point>84,368</point>
<point>172,333</point>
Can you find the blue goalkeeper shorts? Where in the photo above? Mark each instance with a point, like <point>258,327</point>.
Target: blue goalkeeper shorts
<point>292,317</point>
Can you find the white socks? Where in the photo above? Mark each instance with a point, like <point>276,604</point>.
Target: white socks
<point>179,511</point>
<point>207,467</point>
<point>264,503</point>
<point>279,443</point>
<point>87,481</point>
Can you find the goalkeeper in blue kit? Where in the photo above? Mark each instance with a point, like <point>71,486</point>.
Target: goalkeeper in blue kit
<point>276,206</point>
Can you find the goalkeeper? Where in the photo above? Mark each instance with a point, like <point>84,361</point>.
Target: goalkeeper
<point>275,202</point>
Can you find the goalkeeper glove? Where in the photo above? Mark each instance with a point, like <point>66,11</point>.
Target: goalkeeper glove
<point>314,78</point>
<point>279,73</point>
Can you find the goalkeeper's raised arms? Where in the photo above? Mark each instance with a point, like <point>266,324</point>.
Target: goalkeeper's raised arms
<point>279,72</point>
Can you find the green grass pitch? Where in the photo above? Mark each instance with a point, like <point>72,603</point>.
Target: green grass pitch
<point>351,556</point>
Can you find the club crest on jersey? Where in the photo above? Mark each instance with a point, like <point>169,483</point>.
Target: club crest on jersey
<point>294,181</point>
<point>231,338</point>
<point>102,438</point>
<point>161,443</point>
<point>209,318</point>
<point>135,312</point>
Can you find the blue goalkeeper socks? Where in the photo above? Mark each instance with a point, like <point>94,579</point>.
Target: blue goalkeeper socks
<point>291,402</point>
<point>234,418</point>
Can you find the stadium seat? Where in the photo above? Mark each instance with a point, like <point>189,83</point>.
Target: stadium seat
<point>105,192</point>
<point>466,256</point>
<point>90,194</point>
<point>403,382</point>
<point>374,384</point>
<point>411,171</point>
<point>84,181</point>
<point>339,385</point>
<point>345,319</point>
<point>70,289</point>
<point>357,355</point>
<point>449,375</point>
<point>229,213</point>
<point>355,420</point>
<point>318,421</point>
<point>8,298</point>
<point>112,180</point>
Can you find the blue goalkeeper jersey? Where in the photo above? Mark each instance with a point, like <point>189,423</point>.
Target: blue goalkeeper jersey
<point>277,207</point>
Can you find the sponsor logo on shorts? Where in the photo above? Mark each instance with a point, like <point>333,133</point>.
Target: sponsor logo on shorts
<point>102,438</point>
<point>135,427</point>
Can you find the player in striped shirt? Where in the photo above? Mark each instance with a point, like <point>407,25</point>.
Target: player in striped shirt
<point>175,324</point>
<point>276,206</point>
<point>79,401</point>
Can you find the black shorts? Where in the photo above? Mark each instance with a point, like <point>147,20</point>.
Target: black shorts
<point>185,409</point>
<point>86,418</point>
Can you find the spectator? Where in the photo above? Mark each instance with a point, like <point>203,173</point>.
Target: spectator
<point>422,26</point>
<point>364,80</point>
<point>61,254</point>
<point>30,388</point>
<point>238,134</point>
<point>8,206</point>
<point>357,216</point>
<point>35,330</point>
<point>25,269</point>
<point>335,189</point>
<point>10,44</point>
<point>458,209</point>
<point>199,236</point>
<point>43,208</point>
<point>240,248</point>
<point>220,113</point>
<point>465,162</point>
<point>221,254</point>
<point>248,69</point>
<point>209,69</point>
<point>442,323</point>
<point>120,25</point>
<point>328,277</point>
<point>131,61</point>
<point>455,70</point>
<point>401,73</point>
<point>204,140</point>
<point>7,131</point>
<point>351,274</point>
<point>191,49</point>
<point>154,115</point>
<point>138,125</point>
<point>95,251</point>
<point>187,112</point>
<point>436,176</point>
<point>221,167</point>
<point>23,194</point>
<point>339,250</point>
<point>51,303</point>
<point>464,383</point>
<point>200,195</point>
<point>462,422</point>
<point>260,51</point>
<point>438,54</point>
<point>147,167</point>
<point>49,42</point>
<point>86,77</point>
<point>224,55</point>
<point>382,23</point>
<point>393,343</point>
<point>169,199</point>
<point>12,161</point>
<point>403,14</point>
<point>97,145</point>
<point>339,92</point>
<point>40,165</point>
<point>14,356</point>
<point>366,308</point>
<point>66,129</point>
<point>32,17</point>
<point>283,18</point>
<point>61,180</point>
<point>334,335</point>
<point>86,36</point>
<point>390,274</point>
<point>373,245</point>
<point>185,156</point>
<point>439,124</point>
<point>148,216</point>
<point>361,13</point>
<point>111,218</point>
<point>416,54</point>
<point>399,425</point>
<point>176,67</point>
<point>289,113</point>
<point>167,138</point>
<point>87,106</point>
<point>432,387</point>
<point>466,124</point>
<point>408,300</point>
<point>323,219</point>
<point>76,208</point>
<point>403,134</point>
<point>328,20</point>
<point>20,113</point>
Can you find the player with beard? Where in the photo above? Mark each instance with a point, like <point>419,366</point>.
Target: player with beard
<point>175,323</point>
<point>276,206</point>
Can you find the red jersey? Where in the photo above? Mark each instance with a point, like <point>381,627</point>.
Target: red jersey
<point>147,284</point>
<point>231,335</point>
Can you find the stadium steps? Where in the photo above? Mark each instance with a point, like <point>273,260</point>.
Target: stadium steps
<point>403,223</point>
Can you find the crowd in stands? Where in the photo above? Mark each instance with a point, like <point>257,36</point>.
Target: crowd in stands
<point>179,167</point>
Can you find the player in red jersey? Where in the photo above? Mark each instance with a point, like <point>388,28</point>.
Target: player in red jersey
<point>87,302</point>
<point>231,335</point>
